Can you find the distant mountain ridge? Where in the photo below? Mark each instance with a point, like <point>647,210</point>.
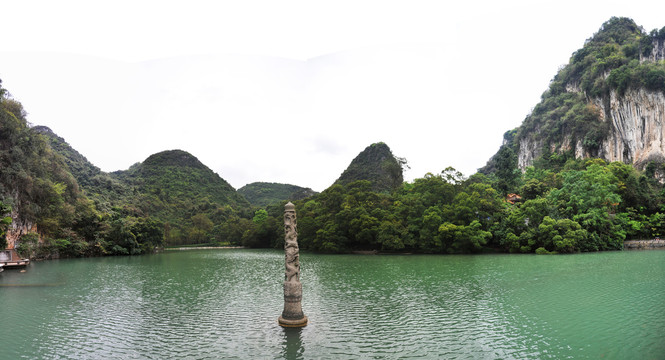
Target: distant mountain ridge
<point>266,193</point>
<point>608,102</point>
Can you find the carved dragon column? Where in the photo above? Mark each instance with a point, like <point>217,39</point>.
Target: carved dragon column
<point>292,316</point>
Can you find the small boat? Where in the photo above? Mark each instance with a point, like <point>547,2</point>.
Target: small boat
<point>9,259</point>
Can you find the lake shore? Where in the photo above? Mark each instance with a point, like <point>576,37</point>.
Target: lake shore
<point>643,244</point>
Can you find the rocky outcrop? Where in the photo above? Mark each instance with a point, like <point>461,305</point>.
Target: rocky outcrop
<point>637,132</point>
<point>530,150</point>
<point>629,104</point>
<point>17,229</point>
<point>644,244</point>
<point>19,226</point>
<point>657,53</point>
<point>636,136</point>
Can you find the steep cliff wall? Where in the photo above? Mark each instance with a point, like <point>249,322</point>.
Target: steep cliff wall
<point>529,150</point>
<point>637,132</point>
<point>17,230</point>
<point>636,136</point>
<point>622,82</point>
<point>19,226</point>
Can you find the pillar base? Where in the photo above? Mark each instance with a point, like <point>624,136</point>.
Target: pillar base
<point>292,323</point>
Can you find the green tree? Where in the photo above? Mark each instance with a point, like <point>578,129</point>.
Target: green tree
<point>149,234</point>
<point>390,235</point>
<point>5,220</point>
<point>260,216</point>
<point>430,241</point>
<point>588,197</point>
<point>121,241</point>
<point>562,235</point>
<point>507,173</point>
<point>329,238</point>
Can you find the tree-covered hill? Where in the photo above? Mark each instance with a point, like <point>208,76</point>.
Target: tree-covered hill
<point>567,200</point>
<point>265,193</point>
<point>376,164</point>
<point>187,196</point>
<point>566,193</point>
<point>36,189</point>
<point>78,165</point>
<point>59,204</point>
<point>178,174</point>
<point>172,187</point>
<point>49,214</point>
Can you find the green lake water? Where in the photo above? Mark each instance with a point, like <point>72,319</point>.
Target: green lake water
<point>201,304</point>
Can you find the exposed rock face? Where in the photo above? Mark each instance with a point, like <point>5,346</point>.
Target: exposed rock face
<point>657,53</point>
<point>637,127</point>
<point>644,244</point>
<point>17,229</point>
<point>637,131</point>
<point>631,120</point>
<point>528,152</point>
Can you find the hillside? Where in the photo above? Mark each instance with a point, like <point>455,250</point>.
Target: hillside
<point>49,216</point>
<point>171,187</point>
<point>607,102</point>
<point>55,203</point>
<point>376,164</point>
<point>176,174</point>
<point>105,190</point>
<point>36,189</point>
<point>265,193</point>
<point>188,197</point>
<point>79,166</point>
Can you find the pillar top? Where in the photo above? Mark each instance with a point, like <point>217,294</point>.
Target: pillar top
<point>289,207</point>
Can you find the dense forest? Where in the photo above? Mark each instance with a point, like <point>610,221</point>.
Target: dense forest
<point>38,190</point>
<point>56,203</point>
<point>577,205</point>
<point>559,204</point>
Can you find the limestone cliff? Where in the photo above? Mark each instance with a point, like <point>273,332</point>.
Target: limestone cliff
<point>636,131</point>
<point>608,102</point>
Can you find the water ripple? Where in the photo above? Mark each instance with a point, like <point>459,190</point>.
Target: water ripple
<point>225,304</point>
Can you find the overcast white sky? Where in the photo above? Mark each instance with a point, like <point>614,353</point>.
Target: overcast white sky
<point>292,91</point>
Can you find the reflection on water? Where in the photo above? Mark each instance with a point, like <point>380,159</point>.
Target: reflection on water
<point>225,304</point>
<point>292,347</point>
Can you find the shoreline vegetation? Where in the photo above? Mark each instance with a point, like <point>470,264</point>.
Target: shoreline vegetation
<point>628,245</point>
<point>56,204</point>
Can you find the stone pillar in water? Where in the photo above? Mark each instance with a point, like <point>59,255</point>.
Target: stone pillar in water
<point>292,316</point>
